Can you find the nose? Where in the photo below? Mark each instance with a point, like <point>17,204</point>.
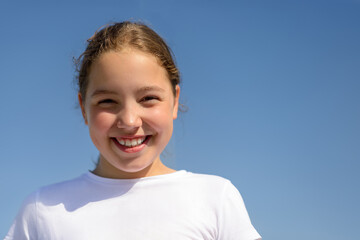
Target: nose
<point>129,118</point>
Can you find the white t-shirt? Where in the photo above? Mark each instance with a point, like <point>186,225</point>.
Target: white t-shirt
<point>180,205</point>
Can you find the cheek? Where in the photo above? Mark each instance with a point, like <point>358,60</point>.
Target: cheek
<point>160,119</point>
<point>101,122</point>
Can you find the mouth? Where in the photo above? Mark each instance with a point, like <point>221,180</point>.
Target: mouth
<point>131,144</point>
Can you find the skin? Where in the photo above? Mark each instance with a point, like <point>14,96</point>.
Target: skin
<point>129,95</point>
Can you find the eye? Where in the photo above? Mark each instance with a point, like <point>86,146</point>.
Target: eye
<point>149,98</point>
<point>106,101</point>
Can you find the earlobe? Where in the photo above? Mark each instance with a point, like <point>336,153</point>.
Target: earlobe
<point>176,103</point>
<point>81,103</point>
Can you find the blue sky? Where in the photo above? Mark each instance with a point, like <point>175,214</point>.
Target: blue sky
<point>272,89</point>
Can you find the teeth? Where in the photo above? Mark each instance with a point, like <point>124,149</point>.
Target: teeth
<point>131,142</point>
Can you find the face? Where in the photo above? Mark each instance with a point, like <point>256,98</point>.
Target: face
<point>129,109</point>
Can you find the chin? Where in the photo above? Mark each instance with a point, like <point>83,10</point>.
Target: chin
<point>134,168</point>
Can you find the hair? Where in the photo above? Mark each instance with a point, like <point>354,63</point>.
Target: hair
<point>123,35</point>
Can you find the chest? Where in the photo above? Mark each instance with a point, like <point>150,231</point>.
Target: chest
<point>144,215</point>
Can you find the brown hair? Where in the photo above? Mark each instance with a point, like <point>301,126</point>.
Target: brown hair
<point>118,36</point>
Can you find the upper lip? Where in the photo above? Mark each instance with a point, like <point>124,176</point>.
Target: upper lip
<point>131,137</point>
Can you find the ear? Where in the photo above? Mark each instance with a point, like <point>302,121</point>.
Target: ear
<point>176,101</point>
<point>81,103</point>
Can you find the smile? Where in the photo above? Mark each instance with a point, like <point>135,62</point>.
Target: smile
<point>133,142</point>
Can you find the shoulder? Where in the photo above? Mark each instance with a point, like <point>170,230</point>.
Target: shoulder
<point>205,177</point>
<point>213,181</point>
<point>232,217</point>
<point>67,185</point>
<point>209,186</point>
<point>218,189</point>
<point>25,223</point>
<point>59,188</point>
<point>223,188</point>
<point>224,198</point>
<point>55,191</point>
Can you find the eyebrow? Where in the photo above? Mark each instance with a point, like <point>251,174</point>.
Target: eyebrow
<point>140,90</point>
<point>102,91</point>
<point>150,88</point>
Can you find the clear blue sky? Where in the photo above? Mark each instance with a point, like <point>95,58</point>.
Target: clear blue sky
<point>273,90</point>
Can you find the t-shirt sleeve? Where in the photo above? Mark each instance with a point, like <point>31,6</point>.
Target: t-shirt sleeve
<point>234,222</point>
<point>24,225</point>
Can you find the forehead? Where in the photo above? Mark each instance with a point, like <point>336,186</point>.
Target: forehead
<point>127,68</point>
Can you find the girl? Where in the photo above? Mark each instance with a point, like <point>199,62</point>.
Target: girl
<point>129,96</point>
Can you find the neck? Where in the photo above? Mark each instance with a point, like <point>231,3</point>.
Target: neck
<point>105,169</point>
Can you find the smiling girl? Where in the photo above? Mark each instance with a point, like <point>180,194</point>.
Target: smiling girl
<point>129,96</point>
